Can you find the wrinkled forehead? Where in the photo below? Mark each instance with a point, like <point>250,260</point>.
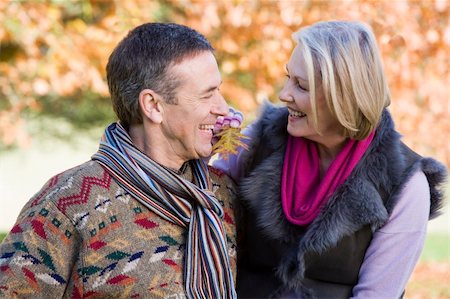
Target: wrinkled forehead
<point>197,72</point>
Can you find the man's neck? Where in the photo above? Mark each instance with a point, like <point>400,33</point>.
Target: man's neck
<point>153,147</point>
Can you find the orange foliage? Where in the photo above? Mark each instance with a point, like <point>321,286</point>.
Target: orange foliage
<point>60,48</point>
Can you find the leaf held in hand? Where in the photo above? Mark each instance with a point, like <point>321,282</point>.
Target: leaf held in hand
<point>230,140</point>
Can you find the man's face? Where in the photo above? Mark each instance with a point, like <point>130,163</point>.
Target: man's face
<point>187,126</point>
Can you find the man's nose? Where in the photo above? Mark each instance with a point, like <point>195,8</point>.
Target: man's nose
<point>221,106</point>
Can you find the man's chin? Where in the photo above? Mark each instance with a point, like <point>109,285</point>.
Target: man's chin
<point>205,153</point>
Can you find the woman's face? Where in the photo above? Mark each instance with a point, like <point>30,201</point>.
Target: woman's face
<point>296,93</point>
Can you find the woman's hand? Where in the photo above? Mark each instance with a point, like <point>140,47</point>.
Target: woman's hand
<point>227,134</point>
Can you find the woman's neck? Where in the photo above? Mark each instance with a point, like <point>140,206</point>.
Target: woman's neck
<point>328,152</point>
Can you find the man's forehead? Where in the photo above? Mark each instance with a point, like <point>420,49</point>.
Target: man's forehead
<point>201,69</point>
<point>188,57</point>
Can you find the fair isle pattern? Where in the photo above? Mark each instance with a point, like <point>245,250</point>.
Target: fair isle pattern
<point>86,186</point>
<point>105,244</point>
<point>31,249</point>
<point>52,183</point>
<point>188,204</point>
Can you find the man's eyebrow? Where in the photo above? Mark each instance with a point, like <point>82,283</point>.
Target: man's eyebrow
<point>212,88</point>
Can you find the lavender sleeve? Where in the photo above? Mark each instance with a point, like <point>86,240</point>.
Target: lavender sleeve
<point>232,165</point>
<point>396,247</point>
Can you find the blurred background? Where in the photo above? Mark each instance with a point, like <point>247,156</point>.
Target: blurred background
<point>54,102</point>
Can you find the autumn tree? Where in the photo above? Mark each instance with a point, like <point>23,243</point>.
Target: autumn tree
<point>53,56</point>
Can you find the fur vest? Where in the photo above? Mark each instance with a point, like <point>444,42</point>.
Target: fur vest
<point>278,256</point>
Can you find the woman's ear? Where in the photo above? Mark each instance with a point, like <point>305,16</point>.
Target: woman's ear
<point>149,102</point>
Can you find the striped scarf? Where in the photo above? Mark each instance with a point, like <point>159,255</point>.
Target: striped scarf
<point>206,270</point>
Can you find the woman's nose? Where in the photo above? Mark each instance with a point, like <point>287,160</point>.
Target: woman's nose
<point>285,95</point>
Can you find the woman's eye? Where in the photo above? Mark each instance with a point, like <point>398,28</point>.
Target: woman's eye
<point>299,86</point>
<point>297,83</point>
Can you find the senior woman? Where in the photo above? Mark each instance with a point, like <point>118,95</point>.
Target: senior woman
<point>336,204</point>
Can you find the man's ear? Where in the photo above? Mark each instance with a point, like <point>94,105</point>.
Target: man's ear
<point>150,103</point>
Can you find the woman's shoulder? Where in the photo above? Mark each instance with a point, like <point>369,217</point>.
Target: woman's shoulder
<point>272,114</point>
<point>412,208</point>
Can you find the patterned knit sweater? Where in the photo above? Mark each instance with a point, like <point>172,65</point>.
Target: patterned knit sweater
<point>83,236</point>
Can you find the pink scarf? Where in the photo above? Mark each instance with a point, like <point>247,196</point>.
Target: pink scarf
<point>302,191</point>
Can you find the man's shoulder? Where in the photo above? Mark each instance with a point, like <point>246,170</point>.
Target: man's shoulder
<point>74,185</point>
<point>223,185</point>
<point>218,175</point>
<point>77,176</point>
<point>88,168</point>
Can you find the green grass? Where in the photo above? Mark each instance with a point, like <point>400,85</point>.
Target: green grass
<point>436,248</point>
<point>2,236</point>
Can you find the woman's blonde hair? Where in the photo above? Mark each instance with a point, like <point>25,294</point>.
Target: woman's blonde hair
<point>345,58</point>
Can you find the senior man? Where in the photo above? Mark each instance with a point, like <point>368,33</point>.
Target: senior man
<point>146,217</point>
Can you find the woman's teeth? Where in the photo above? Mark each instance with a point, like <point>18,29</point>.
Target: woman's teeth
<point>206,127</point>
<point>296,113</point>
